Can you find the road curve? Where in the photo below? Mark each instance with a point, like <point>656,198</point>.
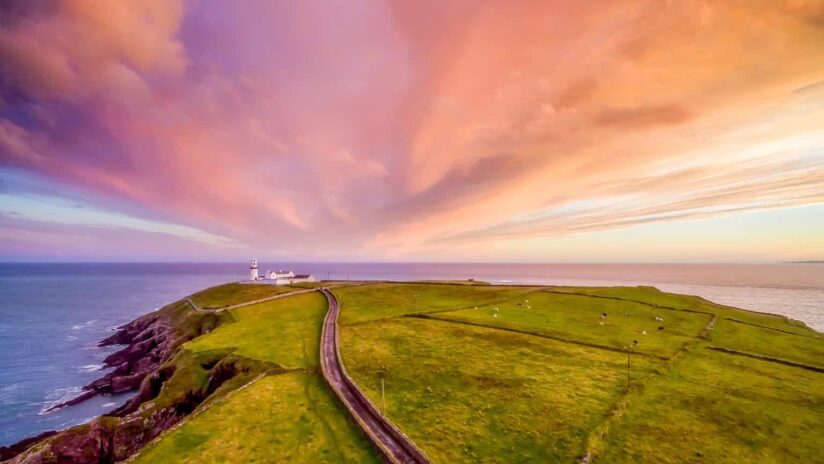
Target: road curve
<point>393,445</point>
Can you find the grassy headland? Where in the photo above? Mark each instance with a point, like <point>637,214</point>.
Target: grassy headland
<point>472,373</point>
<point>224,295</point>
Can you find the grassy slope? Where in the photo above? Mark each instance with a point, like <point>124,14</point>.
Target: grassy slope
<point>388,300</point>
<point>234,293</point>
<point>290,416</point>
<point>766,334</point>
<point>285,331</point>
<point>714,407</point>
<point>657,297</point>
<point>468,394</point>
<point>283,418</point>
<point>741,337</point>
<point>577,318</point>
<point>499,398</point>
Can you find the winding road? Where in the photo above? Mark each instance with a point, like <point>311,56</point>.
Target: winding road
<point>393,445</point>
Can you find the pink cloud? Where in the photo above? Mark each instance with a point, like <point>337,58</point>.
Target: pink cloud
<point>382,123</point>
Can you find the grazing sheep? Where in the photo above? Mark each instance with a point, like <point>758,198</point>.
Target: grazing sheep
<point>660,327</point>
<point>659,319</point>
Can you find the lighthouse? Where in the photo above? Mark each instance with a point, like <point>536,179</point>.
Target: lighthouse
<point>253,270</point>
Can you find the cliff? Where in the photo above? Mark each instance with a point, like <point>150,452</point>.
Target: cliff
<point>170,382</point>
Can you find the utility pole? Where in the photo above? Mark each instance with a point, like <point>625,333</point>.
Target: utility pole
<point>383,399</point>
<point>629,349</point>
<point>629,362</point>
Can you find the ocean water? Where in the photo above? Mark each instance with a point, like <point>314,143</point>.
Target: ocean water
<point>53,315</point>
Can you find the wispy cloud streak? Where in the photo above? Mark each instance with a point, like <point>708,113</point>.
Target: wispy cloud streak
<point>364,129</point>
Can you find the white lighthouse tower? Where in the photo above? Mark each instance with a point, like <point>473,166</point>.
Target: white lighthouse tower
<point>253,270</point>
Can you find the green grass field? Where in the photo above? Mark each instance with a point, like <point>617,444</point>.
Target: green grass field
<point>537,380</point>
<point>742,337</point>
<point>534,381</point>
<point>579,318</point>
<point>368,302</point>
<point>713,407</point>
<point>468,394</point>
<point>654,296</point>
<point>234,293</point>
<point>287,417</point>
<point>283,418</point>
<point>285,331</point>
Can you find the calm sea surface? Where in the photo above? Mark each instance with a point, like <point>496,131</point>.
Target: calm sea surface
<point>53,315</point>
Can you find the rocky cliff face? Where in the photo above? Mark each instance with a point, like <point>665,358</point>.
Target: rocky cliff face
<point>148,363</point>
<point>149,341</point>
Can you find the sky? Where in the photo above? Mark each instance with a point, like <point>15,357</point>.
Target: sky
<point>351,130</point>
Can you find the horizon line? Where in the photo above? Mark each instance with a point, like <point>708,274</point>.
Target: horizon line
<point>809,261</point>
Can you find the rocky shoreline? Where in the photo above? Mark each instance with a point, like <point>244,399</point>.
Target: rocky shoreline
<point>148,345</point>
<point>146,365</point>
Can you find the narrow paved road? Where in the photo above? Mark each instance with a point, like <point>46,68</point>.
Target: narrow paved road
<point>393,445</point>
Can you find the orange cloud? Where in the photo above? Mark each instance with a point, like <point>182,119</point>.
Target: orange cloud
<point>644,116</point>
<point>390,126</point>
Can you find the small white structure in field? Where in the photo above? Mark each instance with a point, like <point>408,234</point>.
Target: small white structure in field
<point>276,277</point>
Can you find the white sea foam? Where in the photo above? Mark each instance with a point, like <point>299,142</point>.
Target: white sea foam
<point>57,396</point>
<point>84,325</point>
<point>91,367</point>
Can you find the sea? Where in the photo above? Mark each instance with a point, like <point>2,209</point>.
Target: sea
<point>53,315</point>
